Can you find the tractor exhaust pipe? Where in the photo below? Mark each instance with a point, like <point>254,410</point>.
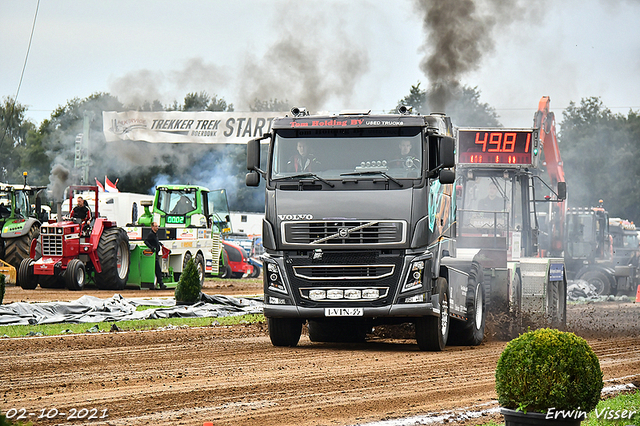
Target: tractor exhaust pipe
<point>59,211</point>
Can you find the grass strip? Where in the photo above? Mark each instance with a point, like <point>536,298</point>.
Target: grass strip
<point>137,325</point>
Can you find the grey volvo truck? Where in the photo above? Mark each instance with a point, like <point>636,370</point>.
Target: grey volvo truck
<point>359,229</point>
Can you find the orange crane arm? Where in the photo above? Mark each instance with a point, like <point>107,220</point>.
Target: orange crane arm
<point>545,122</point>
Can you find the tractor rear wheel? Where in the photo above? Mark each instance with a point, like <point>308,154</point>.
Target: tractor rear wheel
<point>76,275</point>
<point>18,248</point>
<point>26,280</point>
<point>113,254</point>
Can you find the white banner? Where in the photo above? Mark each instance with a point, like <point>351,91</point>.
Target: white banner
<point>186,127</point>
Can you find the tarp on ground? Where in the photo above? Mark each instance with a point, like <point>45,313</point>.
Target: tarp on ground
<point>88,309</point>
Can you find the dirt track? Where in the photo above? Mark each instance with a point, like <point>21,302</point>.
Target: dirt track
<point>233,376</point>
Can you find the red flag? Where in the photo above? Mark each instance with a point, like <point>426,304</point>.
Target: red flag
<point>100,187</point>
<point>109,186</point>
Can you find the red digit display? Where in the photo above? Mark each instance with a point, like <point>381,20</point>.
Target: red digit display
<point>495,146</point>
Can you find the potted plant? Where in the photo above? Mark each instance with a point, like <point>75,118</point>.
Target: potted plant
<point>188,288</point>
<point>546,376</point>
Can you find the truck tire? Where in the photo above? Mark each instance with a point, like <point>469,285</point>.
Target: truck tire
<point>337,331</point>
<point>226,272</point>
<point>75,275</point>
<point>284,331</point>
<point>471,331</point>
<point>113,254</point>
<point>26,279</point>
<point>599,280</point>
<point>431,331</point>
<point>199,261</point>
<point>256,272</point>
<point>18,248</point>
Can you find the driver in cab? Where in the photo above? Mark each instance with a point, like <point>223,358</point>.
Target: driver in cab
<point>406,159</point>
<point>303,160</point>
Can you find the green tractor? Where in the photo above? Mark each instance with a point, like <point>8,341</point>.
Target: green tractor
<point>191,220</point>
<point>19,221</point>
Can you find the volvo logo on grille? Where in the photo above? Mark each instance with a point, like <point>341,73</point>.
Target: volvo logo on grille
<point>343,232</point>
<point>295,216</point>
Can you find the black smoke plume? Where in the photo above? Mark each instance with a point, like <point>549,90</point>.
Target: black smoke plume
<point>459,35</point>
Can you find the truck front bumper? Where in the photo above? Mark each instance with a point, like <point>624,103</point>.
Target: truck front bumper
<point>408,310</point>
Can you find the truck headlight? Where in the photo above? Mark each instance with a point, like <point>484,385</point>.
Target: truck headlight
<point>274,278</point>
<point>415,276</point>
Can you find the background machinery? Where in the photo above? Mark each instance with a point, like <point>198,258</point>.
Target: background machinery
<point>191,221</point>
<point>602,251</point>
<point>73,254</point>
<point>521,254</point>
<point>19,221</point>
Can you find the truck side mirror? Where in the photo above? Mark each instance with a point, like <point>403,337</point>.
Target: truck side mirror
<point>252,179</point>
<point>447,176</point>
<point>447,152</point>
<point>253,154</point>
<point>562,190</point>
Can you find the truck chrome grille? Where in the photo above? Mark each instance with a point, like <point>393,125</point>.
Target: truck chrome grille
<point>343,272</point>
<point>324,233</point>
<point>52,245</point>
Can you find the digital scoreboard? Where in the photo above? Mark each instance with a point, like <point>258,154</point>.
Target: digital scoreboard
<point>496,146</point>
<point>175,220</point>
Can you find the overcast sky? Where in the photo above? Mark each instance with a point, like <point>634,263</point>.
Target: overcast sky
<point>331,55</point>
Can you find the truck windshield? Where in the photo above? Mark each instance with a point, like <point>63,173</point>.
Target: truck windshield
<point>331,153</point>
<point>177,201</point>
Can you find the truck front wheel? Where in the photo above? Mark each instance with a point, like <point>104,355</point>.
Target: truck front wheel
<point>284,331</point>
<point>431,331</point>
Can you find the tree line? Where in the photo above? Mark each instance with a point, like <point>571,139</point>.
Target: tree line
<point>599,149</point>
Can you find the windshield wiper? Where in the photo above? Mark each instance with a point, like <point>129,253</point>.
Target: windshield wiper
<point>305,175</point>
<point>374,172</point>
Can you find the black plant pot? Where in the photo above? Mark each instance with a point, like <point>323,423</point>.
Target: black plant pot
<point>518,418</point>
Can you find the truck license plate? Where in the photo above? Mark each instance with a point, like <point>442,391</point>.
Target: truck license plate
<point>343,312</point>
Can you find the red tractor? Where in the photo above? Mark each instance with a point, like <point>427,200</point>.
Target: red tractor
<point>69,253</point>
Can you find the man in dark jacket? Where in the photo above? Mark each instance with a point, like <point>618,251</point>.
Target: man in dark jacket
<point>152,241</point>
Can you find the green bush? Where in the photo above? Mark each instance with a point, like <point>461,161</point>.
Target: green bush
<point>188,288</point>
<point>1,288</point>
<point>547,368</point>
